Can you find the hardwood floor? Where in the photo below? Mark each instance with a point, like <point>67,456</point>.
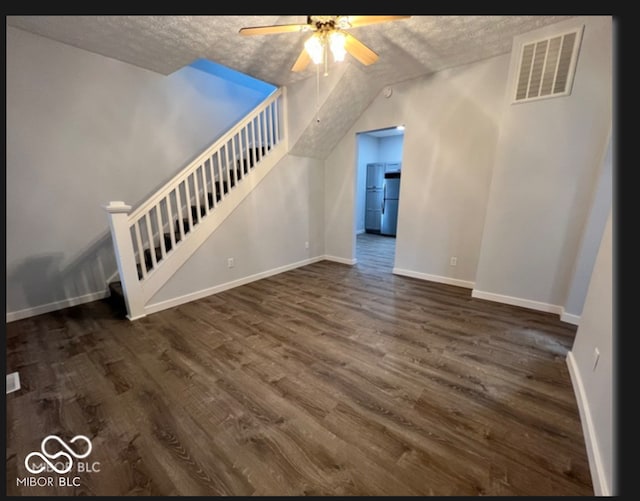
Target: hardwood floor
<point>375,253</point>
<point>325,380</point>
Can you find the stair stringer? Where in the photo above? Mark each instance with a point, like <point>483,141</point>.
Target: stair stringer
<point>200,232</point>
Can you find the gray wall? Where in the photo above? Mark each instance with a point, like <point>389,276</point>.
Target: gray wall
<point>596,387</point>
<point>548,155</point>
<point>267,230</point>
<point>83,129</point>
<point>451,121</point>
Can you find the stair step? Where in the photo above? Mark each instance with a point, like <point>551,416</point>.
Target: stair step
<point>147,257</point>
<point>115,288</point>
<point>218,193</point>
<point>185,223</point>
<point>235,177</point>
<point>116,298</point>
<point>194,212</point>
<point>167,239</point>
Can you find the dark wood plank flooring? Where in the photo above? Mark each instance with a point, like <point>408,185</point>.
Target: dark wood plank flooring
<point>325,380</point>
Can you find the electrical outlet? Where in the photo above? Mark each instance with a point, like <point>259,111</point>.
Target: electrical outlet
<point>596,357</point>
<point>453,261</point>
<point>230,262</point>
<point>306,245</point>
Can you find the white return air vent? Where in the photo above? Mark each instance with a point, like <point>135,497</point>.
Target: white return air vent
<point>13,382</point>
<point>547,66</point>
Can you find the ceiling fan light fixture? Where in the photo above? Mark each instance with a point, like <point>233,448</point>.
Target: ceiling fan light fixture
<point>314,48</point>
<point>337,41</point>
<point>329,35</point>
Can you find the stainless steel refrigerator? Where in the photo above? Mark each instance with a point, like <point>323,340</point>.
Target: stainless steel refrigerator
<point>390,199</point>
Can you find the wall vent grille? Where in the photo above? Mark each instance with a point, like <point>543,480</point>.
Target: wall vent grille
<point>547,67</point>
<point>13,382</point>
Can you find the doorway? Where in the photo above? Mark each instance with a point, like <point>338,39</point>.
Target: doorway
<point>379,164</point>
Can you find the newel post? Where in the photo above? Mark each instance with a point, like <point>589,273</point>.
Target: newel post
<point>125,256</point>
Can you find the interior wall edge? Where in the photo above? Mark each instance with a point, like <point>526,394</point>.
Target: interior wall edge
<point>598,478</point>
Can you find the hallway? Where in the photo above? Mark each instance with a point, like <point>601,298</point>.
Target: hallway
<point>375,252</point>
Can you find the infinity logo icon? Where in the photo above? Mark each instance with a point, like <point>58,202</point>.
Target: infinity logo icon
<point>45,456</point>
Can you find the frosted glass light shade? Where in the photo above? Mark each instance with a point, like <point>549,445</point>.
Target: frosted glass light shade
<point>337,40</point>
<point>314,48</point>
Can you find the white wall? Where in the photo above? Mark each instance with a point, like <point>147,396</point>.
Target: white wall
<point>367,153</point>
<point>591,235</point>
<point>596,387</point>
<point>548,155</point>
<point>390,148</point>
<point>265,232</point>
<point>451,121</point>
<point>83,129</point>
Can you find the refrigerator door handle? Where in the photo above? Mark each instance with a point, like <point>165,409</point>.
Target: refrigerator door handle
<point>384,196</point>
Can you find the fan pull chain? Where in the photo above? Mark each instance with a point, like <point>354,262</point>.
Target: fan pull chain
<point>326,56</point>
<point>317,93</point>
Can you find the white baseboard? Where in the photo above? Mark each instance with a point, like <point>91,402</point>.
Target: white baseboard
<point>598,477</point>
<point>516,301</point>
<point>57,305</point>
<point>359,232</point>
<point>569,318</point>
<point>434,278</point>
<point>192,296</point>
<point>342,260</point>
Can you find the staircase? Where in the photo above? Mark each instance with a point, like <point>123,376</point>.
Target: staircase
<point>155,239</point>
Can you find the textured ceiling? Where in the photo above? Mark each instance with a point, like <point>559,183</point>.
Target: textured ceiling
<point>407,48</point>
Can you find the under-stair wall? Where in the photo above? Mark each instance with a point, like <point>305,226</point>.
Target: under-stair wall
<point>265,235</point>
<point>158,237</point>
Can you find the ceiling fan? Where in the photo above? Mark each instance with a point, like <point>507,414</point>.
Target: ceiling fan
<point>328,31</point>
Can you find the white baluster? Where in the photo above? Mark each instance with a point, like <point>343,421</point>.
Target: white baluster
<point>213,182</point>
<point>263,124</point>
<point>142,262</point>
<point>269,126</point>
<point>227,159</point>
<point>241,150</point>
<point>284,114</point>
<point>152,245</point>
<point>203,169</point>
<point>187,196</point>
<point>259,132</point>
<point>196,189</point>
<point>234,163</point>
<point>180,218</point>
<point>163,250</point>
<point>253,144</point>
<point>274,121</point>
<point>220,173</point>
<point>172,229</point>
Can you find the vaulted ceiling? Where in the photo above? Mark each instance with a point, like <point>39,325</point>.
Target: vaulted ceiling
<point>408,48</point>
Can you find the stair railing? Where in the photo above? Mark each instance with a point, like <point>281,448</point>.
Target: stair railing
<point>145,239</point>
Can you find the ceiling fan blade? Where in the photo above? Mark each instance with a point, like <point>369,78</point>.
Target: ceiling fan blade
<point>355,21</point>
<point>273,29</point>
<point>302,62</point>
<point>359,50</point>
